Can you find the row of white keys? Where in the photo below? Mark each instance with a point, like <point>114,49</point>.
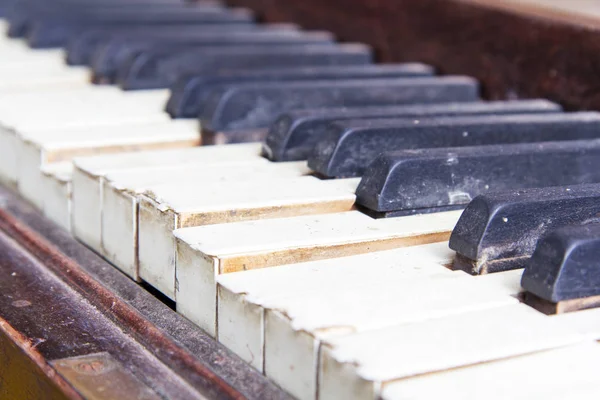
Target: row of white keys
<point>37,148</point>
<point>55,121</point>
<point>565,373</point>
<point>298,313</point>
<point>204,253</point>
<point>242,295</point>
<point>358,366</point>
<point>175,206</point>
<point>90,172</point>
<point>219,181</point>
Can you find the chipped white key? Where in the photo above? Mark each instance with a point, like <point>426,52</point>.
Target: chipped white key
<point>207,251</point>
<point>178,206</point>
<point>88,178</point>
<point>121,189</point>
<point>56,186</point>
<point>565,373</point>
<point>357,366</point>
<point>242,294</point>
<point>36,148</point>
<point>295,327</point>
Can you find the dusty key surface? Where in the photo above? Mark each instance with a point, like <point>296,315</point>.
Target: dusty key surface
<point>89,174</point>
<point>190,92</point>
<point>121,191</point>
<point>153,68</point>
<point>564,270</point>
<point>171,207</point>
<point>241,295</point>
<point>563,373</point>
<point>37,148</point>
<point>357,366</point>
<point>296,327</point>
<point>350,146</point>
<point>228,110</point>
<point>448,178</point>
<point>205,252</point>
<point>499,231</point>
<point>295,133</point>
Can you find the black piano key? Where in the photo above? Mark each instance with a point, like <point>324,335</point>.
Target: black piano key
<point>189,92</point>
<point>162,68</point>
<point>498,231</point>
<point>24,15</point>
<point>349,146</point>
<point>252,107</point>
<point>295,133</point>
<point>21,13</point>
<point>81,48</point>
<point>565,265</point>
<point>59,28</point>
<point>431,180</point>
<point>117,51</point>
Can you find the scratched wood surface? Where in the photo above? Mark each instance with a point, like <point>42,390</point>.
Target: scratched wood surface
<point>58,301</point>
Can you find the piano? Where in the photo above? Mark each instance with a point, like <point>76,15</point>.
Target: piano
<point>313,200</point>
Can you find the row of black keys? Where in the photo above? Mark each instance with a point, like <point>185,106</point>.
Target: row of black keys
<point>413,158</point>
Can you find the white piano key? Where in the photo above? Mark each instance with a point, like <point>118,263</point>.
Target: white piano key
<point>302,323</point>
<point>35,79</point>
<point>357,366</point>
<point>88,178</point>
<point>37,148</point>
<point>178,206</point>
<point>121,190</point>
<point>241,295</point>
<point>8,157</point>
<point>565,373</point>
<point>56,186</point>
<point>81,108</point>
<point>585,321</point>
<point>16,53</point>
<point>205,252</point>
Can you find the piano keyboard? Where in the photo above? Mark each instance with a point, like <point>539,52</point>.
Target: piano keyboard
<point>311,236</point>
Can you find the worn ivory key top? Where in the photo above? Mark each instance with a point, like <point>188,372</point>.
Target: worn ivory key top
<point>565,373</point>
<point>205,252</point>
<point>122,188</point>
<point>37,148</point>
<point>242,294</point>
<point>357,366</point>
<point>175,206</point>
<point>302,323</point>
<point>89,172</point>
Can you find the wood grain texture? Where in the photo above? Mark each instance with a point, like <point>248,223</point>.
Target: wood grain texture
<point>515,50</point>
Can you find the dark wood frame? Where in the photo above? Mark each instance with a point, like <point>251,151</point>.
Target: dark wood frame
<point>60,300</point>
<point>516,51</point>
